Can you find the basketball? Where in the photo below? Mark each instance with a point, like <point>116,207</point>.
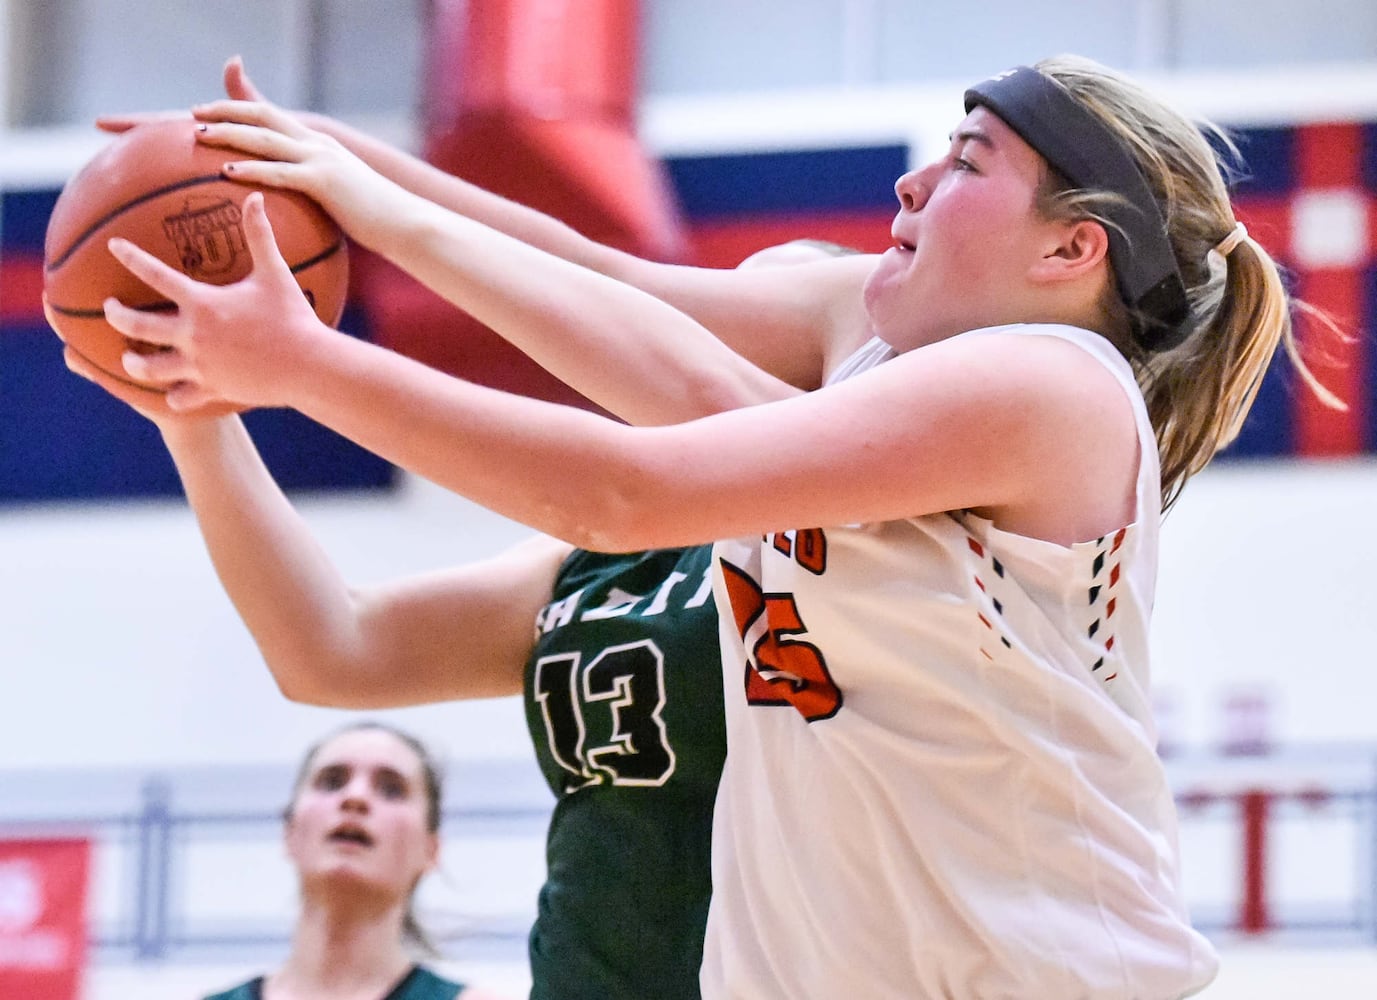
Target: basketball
<point>159,188</point>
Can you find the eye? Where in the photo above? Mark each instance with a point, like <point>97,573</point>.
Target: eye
<point>961,163</point>
<point>330,779</point>
<point>391,785</point>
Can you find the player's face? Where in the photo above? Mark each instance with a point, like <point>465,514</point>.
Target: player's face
<point>360,816</point>
<point>966,232</point>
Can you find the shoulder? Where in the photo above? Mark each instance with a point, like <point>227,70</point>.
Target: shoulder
<point>1092,349</point>
<point>1067,376</point>
<point>1009,368</point>
<point>434,987</point>
<point>251,989</point>
<point>1066,403</point>
<point>543,549</point>
<point>425,984</point>
<point>529,566</point>
<point>822,300</point>
<point>1053,366</point>
<point>838,283</point>
<point>590,563</point>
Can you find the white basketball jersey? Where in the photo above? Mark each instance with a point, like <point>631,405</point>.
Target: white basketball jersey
<point>941,776</point>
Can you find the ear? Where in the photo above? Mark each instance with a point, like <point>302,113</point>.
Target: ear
<point>1073,250</point>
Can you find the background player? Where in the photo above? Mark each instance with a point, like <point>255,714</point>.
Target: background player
<point>361,830</point>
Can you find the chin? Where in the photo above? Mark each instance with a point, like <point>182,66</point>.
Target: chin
<point>873,297</point>
<point>882,321</point>
<point>346,874</point>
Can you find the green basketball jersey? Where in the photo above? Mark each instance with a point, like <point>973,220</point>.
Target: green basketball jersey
<point>624,704</point>
<point>418,984</point>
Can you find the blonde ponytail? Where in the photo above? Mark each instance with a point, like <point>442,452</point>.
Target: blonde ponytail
<point>1199,393</point>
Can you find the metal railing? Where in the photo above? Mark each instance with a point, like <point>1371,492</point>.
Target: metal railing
<point>1270,847</point>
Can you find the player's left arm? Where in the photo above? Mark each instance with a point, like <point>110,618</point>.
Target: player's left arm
<point>794,326</point>
<point>624,348</point>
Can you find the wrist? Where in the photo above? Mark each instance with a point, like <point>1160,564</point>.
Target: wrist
<point>189,431</point>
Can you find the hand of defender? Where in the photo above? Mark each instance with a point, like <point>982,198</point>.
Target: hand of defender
<point>239,342</point>
<point>286,153</point>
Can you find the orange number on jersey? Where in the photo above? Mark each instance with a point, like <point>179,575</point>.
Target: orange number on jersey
<point>808,546</point>
<point>780,671</point>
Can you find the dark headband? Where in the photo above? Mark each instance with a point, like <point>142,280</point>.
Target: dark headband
<point>1089,155</point>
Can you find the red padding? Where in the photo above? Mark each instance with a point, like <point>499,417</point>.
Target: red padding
<point>531,99</point>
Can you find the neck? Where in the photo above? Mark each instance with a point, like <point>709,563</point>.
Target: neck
<point>1092,305</point>
<point>1086,311</point>
<point>345,952</point>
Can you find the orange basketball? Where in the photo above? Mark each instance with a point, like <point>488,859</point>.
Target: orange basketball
<point>157,187</point>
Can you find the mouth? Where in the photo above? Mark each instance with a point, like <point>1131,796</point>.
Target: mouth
<point>350,834</point>
<point>904,245</point>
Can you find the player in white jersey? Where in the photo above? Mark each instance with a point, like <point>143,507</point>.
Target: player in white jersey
<point>1036,857</point>
<point>940,778</point>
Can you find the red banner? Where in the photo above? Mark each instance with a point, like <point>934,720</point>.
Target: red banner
<point>43,918</point>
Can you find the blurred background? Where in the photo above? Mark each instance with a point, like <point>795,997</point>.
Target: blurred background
<point>143,745</point>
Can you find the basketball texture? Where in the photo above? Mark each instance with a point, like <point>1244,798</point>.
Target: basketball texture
<point>157,187</point>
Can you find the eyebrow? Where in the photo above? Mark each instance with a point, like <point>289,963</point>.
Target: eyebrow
<point>972,135</point>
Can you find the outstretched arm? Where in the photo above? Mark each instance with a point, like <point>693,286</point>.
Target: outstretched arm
<point>642,359</point>
<point>794,326</point>
<point>458,633</point>
<point>788,327</point>
<point>1013,425</point>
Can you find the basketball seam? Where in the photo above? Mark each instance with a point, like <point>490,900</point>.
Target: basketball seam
<point>325,254</point>
<point>147,196</point>
<point>162,305</point>
<point>166,306</point>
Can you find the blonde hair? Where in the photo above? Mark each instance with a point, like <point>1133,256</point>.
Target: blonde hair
<point>1199,393</point>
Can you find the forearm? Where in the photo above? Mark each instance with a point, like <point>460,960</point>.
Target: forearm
<point>458,195</point>
<point>782,326</point>
<point>623,348</point>
<point>560,470</point>
<point>288,593</point>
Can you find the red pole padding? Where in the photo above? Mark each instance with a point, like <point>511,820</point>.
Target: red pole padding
<point>1254,810</point>
<point>554,59</point>
<point>534,100</point>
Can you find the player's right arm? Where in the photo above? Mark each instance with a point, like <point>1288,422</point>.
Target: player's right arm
<point>793,325</point>
<point>787,322</point>
<point>456,633</point>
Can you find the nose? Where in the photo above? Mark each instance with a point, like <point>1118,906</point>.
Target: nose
<point>912,190</point>
<point>355,798</point>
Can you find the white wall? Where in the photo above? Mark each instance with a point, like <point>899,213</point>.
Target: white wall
<point>1266,579</point>
<point>119,648</point>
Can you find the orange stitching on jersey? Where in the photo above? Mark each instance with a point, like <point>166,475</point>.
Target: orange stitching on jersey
<point>1106,590</point>
<point>998,606</point>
